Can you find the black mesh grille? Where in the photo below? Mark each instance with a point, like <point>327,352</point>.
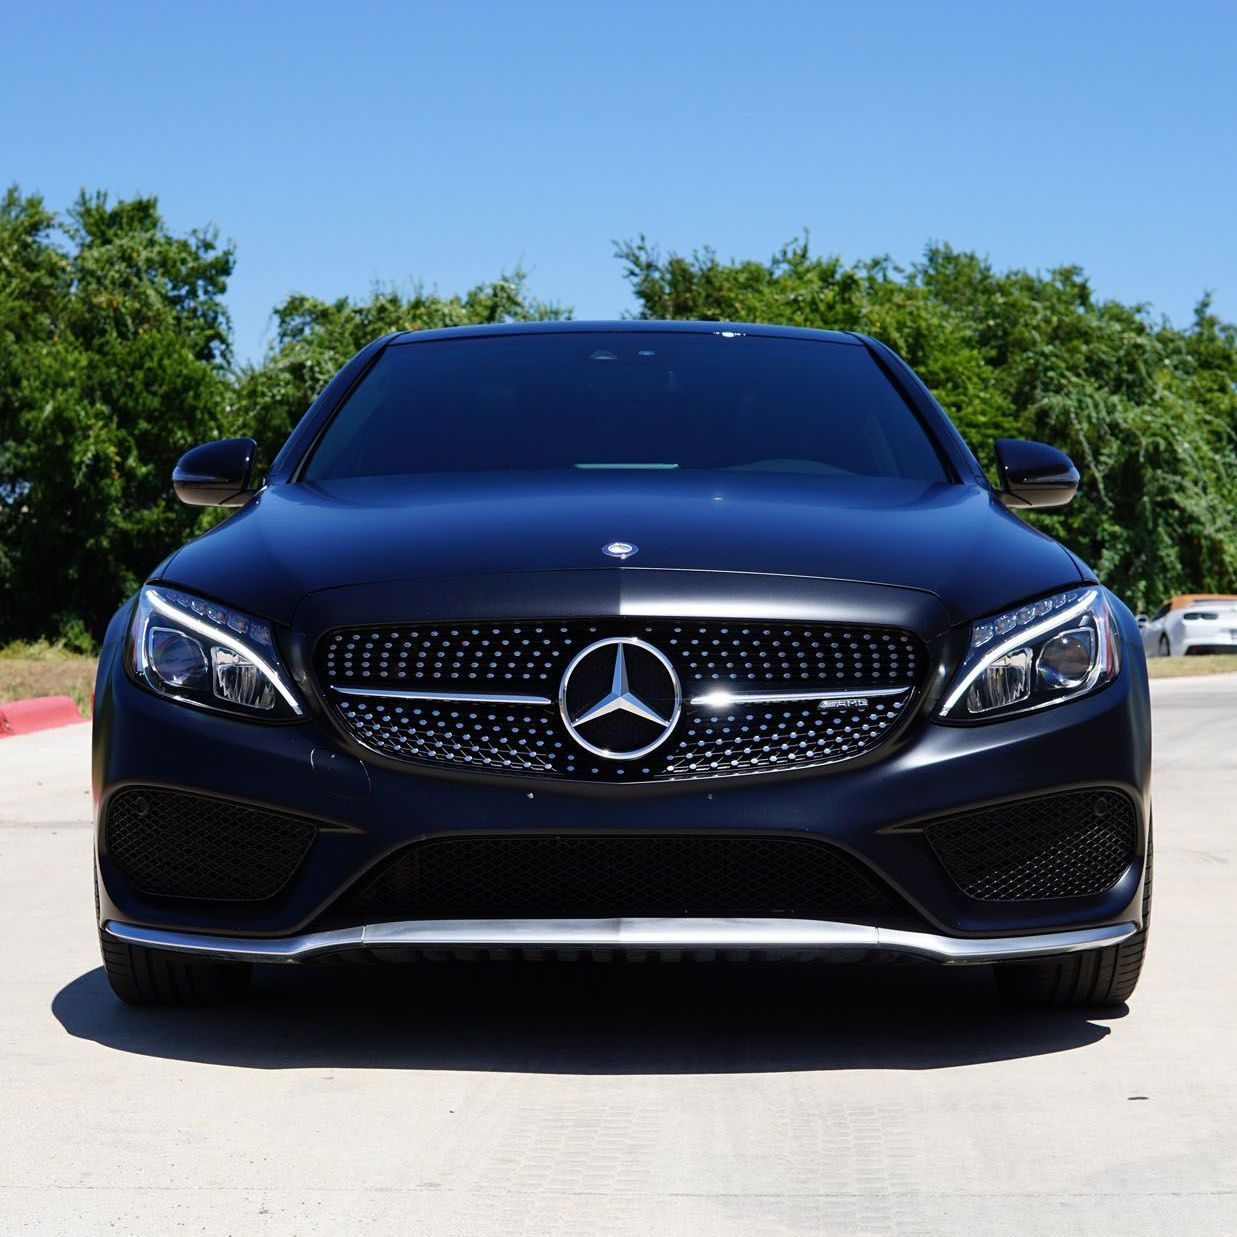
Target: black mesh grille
<point>529,660</point>
<point>1058,846</point>
<point>604,876</point>
<point>180,845</point>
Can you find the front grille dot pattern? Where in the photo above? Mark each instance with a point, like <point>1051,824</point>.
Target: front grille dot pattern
<point>1075,844</point>
<point>174,844</point>
<point>605,875</point>
<point>484,736</point>
<point>506,657</point>
<point>769,736</point>
<point>529,658</point>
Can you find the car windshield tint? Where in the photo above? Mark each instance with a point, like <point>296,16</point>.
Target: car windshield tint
<point>595,402</point>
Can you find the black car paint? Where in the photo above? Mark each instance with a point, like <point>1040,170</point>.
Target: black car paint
<point>292,538</point>
<point>928,557</point>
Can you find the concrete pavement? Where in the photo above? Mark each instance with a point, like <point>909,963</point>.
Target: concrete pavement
<point>661,1100</point>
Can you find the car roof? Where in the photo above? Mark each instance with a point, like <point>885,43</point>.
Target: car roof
<point>627,325</point>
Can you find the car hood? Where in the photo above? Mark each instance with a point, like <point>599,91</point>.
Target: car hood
<point>954,541</point>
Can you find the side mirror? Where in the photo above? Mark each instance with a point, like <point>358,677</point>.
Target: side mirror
<point>215,474</point>
<point>1034,474</point>
<point>1142,620</point>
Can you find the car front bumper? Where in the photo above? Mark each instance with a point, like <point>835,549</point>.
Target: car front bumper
<point>368,808</point>
<point>690,937</point>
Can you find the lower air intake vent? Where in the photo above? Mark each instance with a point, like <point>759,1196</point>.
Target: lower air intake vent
<point>180,845</point>
<point>598,877</point>
<point>1058,846</point>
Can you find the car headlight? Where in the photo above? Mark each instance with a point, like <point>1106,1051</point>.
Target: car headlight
<point>204,654</point>
<point>1041,654</point>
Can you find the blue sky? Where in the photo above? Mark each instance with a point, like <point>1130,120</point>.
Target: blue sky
<point>338,146</point>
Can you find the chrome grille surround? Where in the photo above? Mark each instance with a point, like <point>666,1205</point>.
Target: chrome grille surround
<point>757,696</point>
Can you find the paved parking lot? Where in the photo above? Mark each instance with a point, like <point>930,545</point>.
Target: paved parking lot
<point>606,1099</point>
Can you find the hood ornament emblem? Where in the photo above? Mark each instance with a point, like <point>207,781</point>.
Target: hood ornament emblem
<point>620,698</point>
<point>655,705</point>
<point>620,549</point>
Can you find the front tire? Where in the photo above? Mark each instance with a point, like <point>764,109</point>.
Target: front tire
<point>1165,648</point>
<point>141,976</point>
<point>1096,977</point>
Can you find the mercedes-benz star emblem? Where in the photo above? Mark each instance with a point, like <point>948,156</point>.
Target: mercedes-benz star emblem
<point>620,698</point>
<point>619,549</point>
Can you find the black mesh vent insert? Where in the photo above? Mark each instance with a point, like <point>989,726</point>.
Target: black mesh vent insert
<point>178,845</point>
<point>1058,846</point>
<point>604,876</point>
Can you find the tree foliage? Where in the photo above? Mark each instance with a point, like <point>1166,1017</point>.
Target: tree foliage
<point>113,361</point>
<point>115,358</point>
<point>1148,412</point>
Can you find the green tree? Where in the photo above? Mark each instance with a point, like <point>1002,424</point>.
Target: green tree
<point>1149,413</point>
<point>113,361</point>
<point>115,358</point>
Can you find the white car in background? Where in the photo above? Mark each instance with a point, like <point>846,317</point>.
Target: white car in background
<point>1191,625</point>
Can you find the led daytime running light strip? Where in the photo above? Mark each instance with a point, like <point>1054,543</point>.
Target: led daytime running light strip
<point>1027,636</point>
<point>217,636</point>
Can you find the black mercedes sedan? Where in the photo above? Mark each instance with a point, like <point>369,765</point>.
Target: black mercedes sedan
<point>637,639</point>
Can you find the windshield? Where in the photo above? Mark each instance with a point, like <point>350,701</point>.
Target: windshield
<point>616,401</point>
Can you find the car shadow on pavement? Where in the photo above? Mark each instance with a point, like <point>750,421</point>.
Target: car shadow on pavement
<point>591,1018</point>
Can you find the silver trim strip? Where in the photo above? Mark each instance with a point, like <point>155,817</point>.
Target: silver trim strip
<point>650,934</point>
<point>718,699</point>
<point>395,693</point>
<point>722,698</point>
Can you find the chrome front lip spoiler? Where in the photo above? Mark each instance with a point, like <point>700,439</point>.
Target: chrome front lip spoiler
<point>652,935</point>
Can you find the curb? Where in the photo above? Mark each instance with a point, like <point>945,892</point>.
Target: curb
<point>42,713</point>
